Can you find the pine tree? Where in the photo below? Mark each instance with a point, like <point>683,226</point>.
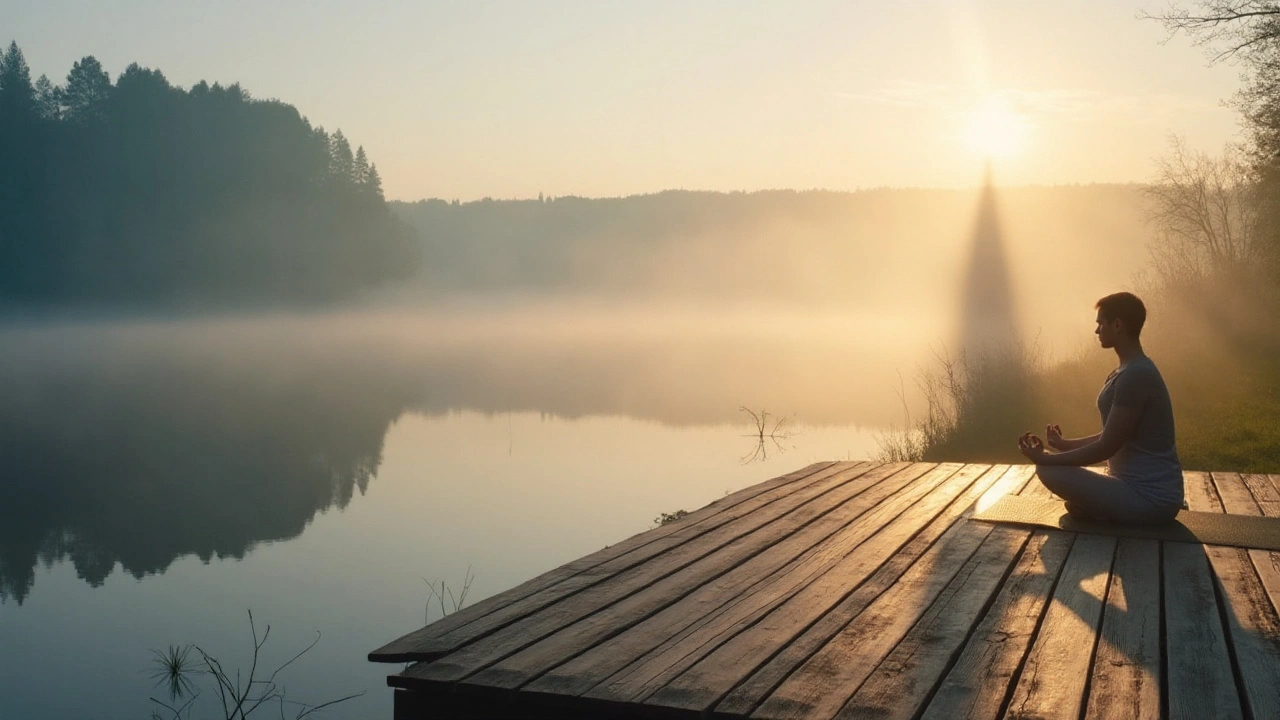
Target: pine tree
<point>87,91</point>
<point>374,182</point>
<point>48,99</point>
<point>360,174</point>
<point>342,163</point>
<point>17,96</point>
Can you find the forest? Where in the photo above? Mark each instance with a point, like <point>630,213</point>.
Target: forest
<point>137,194</point>
<point>814,248</point>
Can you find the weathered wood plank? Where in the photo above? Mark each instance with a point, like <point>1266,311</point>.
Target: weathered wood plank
<point>979,682</point>
<point>727,648</point>
<point>681,599</point>
<point>1251,618</point>
<point>661,646</point>
<point>1053,678</point>
<point>532,594</point>
<point>1266,562</point>
<point>744,672</point>
<point>1126,666</point>
<point>668,577</point>
<point>751,693</point>
<point>1264,493</point>
<point>820,686</point>
<point>900,685</point>
<point>1200,683</point>
<point>845,604</point>
<point>665,555</point>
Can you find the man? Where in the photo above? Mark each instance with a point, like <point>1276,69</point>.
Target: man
<point>1144,479</point>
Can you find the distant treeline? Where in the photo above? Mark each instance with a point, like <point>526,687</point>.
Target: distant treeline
<point>138,193</point>
<point>863,247</point>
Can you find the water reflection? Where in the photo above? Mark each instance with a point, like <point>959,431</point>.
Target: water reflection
<point>769,434</point>
<point>136,444</point>
<point>119,459</point>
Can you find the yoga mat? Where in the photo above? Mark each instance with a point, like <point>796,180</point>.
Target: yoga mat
<point>1246,531</point>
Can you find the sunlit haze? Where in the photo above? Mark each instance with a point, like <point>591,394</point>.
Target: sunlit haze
<point>513,99</point>
<point>359,314</point>
<point>995,130</point>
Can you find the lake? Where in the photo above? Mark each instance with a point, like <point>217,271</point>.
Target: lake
<point>160,479</point>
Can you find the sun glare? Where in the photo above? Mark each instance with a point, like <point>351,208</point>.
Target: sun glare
<point>995,130</point>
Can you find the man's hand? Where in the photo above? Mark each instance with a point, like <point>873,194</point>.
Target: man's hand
<point>1032,447</point>
<point>1053,434</point>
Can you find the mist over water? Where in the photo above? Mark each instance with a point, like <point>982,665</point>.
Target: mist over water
<point>172,474</point>
<point>174,471</point>
<point>674,366</point>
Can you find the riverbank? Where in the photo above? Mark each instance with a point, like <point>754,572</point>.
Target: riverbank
<point>1217,346</point>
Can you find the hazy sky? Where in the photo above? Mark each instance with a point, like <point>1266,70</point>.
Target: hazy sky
<point>470,98</point>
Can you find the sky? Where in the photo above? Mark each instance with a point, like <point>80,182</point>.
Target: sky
<point>480,98</point>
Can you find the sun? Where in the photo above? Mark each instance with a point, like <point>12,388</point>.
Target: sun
<point>994,129</point>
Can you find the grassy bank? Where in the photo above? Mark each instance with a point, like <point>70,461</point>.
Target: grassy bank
<point>1217,345</point>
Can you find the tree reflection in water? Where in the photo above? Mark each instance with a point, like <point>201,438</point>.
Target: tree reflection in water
<point>138,443</point>
<point>140,458</point>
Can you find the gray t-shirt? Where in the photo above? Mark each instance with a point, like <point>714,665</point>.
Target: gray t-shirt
<point>1148,460</point>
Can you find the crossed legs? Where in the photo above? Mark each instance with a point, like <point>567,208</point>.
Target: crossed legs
<point>1096,496</point>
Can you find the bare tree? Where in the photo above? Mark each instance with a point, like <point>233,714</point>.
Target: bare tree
<point>1228,28</point>
<point>1205,211</point>
<point>1246,32</point>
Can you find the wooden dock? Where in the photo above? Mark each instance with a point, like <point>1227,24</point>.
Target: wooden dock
<point>862,590</point>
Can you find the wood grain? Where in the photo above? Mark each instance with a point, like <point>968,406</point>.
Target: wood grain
<point>508,605</point>
<point>1126,666</point>
<point>748,694</point>
<point>675,572</point>
<point>695,591</point>
<point>979,683</point>
<point>1201,683</point>
<point>900,685</point>
<point>1251,618</point>
<point>1057,669</point>
<point>698,669</point>
<point>860,590</point>
<point>814,548</point>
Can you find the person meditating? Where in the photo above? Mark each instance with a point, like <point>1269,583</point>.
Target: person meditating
<point>1144,479</point>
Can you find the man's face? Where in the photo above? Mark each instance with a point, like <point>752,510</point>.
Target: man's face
<point>1107,331</point>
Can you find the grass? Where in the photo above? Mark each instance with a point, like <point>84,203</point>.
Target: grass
<point>456,602</point>
<point>181,670</point>
<point>976,404</point>
<point>1217,348</point>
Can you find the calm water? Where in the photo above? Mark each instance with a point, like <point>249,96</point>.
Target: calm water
<point>159,480</point>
